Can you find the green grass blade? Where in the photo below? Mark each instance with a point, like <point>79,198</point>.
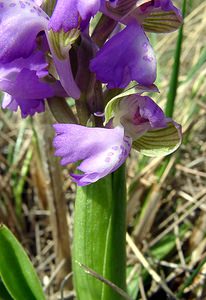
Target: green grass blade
<point>170,105</point>
<point>190,279</point>
<point>20,182</point>
<point>192,72</point>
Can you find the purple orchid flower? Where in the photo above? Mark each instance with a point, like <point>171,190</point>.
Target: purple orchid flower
<point>103,150</point>
<point>138,114</point>
<point>125,57</point>
<point>23,81</point>
<point>30,20</point>
<point>146,12</point>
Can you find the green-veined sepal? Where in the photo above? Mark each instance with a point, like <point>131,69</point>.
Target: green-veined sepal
<point>159,142</point>
<point>162,21</point>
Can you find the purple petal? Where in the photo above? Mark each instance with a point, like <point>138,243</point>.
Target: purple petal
<point>88,8</point>
<point>125,57</point>
<point>101,150</point>
<point>152,112</point>
<point>35,62</point>
<point>21,21</point>
<point>67,13</point>
<point>26,85</point>
<point>138,114</point>
<point>65,16</point>
<point>8,102</point>
<point>30,20</point>
<point>23,80</point>
<point>29,107</point>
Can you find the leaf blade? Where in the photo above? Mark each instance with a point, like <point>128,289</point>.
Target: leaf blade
<point>16,270</point>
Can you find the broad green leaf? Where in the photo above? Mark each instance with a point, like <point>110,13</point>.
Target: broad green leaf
<point>16,270</point>
<point>162,22</point>
<point>159,142</point>
<point>4,294</point>
<point>113,104</point>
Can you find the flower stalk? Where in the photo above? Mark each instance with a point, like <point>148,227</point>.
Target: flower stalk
<point>99,237</point>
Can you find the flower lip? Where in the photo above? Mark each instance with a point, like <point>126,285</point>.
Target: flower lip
<point>100,150</point>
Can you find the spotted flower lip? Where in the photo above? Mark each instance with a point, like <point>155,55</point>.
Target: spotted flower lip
<point>101,151</point>
<point>125,57</point>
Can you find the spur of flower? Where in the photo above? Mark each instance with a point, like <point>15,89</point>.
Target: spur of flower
<point>53,55</point>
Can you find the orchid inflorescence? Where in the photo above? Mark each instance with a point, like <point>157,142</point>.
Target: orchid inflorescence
<point>52,50</point>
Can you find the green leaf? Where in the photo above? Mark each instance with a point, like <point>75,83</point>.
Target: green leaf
<point>159,142</point>
<point>16,270</point>
<point>113,104</point>
<point>4,294</point>
<point>162,22</point>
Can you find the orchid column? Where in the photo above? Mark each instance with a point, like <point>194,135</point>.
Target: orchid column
<point>60,59</point>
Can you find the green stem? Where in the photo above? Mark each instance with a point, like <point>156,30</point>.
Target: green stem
<point>173,85</point>
<point>99,237</point>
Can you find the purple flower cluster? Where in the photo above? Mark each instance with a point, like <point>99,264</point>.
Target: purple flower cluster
<point>40,59</point>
